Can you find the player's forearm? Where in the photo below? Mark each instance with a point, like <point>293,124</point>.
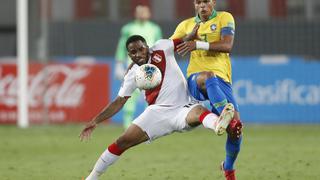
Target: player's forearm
<point>220,47</point>
<point>225,44</point>
<point>110,110</point>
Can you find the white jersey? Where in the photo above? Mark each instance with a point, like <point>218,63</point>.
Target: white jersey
<point>173,89</point>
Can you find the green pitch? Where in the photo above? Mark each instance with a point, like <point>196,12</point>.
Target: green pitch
<point>54,153</point>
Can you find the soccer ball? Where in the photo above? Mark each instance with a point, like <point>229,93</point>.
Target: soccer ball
<point>148,76</point>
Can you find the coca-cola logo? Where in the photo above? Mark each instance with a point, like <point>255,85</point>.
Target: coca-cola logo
<point>53,85</point>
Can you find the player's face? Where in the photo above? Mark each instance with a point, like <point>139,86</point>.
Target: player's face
<point>204,8</point>
<point>138,52</point>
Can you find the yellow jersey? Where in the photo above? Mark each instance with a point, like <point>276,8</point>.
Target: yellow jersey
<point>209,31</point>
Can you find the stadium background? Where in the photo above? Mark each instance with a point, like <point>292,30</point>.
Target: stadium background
<point>275,56</point>
<point>276,63</point>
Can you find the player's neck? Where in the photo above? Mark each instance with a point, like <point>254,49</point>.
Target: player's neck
<point>207,17</point>
<point>204,18</point>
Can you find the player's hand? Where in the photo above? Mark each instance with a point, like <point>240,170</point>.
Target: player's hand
<point>87,131</point>
<point>119,71</point>
<point>193,35</point>
<point>185,47</point>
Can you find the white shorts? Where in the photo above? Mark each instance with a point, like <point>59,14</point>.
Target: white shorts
<point>158,121</point>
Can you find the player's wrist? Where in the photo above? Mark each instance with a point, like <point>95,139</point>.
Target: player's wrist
<point>200,45</point>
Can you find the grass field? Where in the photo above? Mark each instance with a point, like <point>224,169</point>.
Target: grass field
<point>269,152</point>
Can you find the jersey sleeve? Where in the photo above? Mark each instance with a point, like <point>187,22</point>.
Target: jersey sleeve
<point>121,52</point>
<point>180,32</point>
<point>128,85</point>
<point>227,24</point>
<point>167,45</point>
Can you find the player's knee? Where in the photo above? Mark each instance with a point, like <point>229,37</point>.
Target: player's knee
<point>202,78</point>
<point>124,142</point>
<point>193,117</point>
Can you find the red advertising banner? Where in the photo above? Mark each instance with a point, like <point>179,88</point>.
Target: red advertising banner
<point>57,93</point>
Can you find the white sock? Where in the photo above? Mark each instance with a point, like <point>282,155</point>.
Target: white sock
<point>210,120</point>
<point>105,160</point>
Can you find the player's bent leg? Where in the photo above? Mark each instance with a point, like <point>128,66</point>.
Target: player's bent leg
<point>209,84</point>
<point>134,135</point>
<point>202,78</point>
<point>194,114</point>
<point>131,137</point>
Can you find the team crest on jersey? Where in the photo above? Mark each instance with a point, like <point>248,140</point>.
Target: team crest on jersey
<point>213,27</point>
<point>157,58</point>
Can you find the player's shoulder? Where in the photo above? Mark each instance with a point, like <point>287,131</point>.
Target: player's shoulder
<point>224,14</point>
<point>162,44</point>
<point>189,20</point>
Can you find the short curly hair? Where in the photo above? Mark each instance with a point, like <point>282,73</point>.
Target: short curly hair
<point>135,38</point>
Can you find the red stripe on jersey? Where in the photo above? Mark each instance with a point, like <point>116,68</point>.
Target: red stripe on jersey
<point>176,42</point>
<point>158,59</point>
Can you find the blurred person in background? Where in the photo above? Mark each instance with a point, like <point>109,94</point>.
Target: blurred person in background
<point>170,109</point>
<point>209,69</point>
<point>141,25</point>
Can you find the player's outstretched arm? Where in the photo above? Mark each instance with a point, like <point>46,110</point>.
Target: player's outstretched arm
<point>105,114</point>
<point>224,45</point>
<point>188,44</point>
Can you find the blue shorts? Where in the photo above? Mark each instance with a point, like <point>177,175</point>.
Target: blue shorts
<point>197,94</point>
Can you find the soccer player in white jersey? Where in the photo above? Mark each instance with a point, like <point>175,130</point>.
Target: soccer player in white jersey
<point>170,107</point>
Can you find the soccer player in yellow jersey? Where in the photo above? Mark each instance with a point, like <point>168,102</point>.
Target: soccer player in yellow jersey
<point>209,37</point>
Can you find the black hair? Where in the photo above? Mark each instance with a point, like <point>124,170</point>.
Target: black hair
<point>135,38</point>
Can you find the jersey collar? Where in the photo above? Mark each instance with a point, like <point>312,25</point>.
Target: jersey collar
<point>213,15</point>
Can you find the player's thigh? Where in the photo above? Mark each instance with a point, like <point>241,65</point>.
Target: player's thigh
<point>155,121</point>
<point>187,117</point>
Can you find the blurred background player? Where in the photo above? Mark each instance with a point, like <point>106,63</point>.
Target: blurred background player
<point>209,69</point>
<point>141,25</point>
